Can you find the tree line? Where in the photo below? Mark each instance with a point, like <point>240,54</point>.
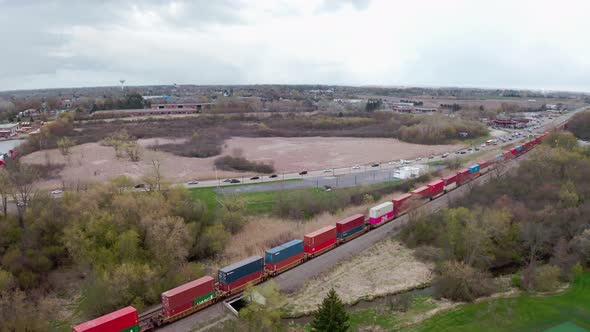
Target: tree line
<point>531,223</point>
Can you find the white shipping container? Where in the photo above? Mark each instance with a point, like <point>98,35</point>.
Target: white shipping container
<point>380,210</point>
<point>451,186</point>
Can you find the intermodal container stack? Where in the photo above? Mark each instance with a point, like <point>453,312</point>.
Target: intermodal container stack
<point>401,204</point>
<point>463,176</point>
<point>421,193</point>
<point>319,241</point>
<point>474,169</point>
<point>514,151</point>
<point>508,155</point>
<point>450,182</point>
<point>284,256</point>
<point>124,320</point>
<point>350,226</point>
<point>234,276</point>
<point>184,297</point>
<point>381,213</point>
<point>519,148</point>
<point>436,188</point>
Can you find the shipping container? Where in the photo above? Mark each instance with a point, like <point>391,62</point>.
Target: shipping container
<point>381,213</point>
<point>240,273</point>
<point>349,233</point>
<point>401,204</point>
<point>321,239</point>
<point>450,182</point>
<point>436,188</point>
<point>514,151</point>
<point>421,193</point>
<point>463,176</point>
<point>284,251</point>
<point>474,168</point>
<point>286,263</point>
<point>519,148</point>
<point>350,223</point>
<point>193,293</point>
<point>499,157</point>
<point>241,283</point>
<point>120,320</point>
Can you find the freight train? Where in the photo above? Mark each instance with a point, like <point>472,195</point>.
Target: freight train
<point>233,279</point>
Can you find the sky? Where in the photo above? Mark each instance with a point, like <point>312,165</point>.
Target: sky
<point>474,43</point>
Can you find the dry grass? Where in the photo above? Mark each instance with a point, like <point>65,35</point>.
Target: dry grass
<point>386,268</point>
<point>262,233</point>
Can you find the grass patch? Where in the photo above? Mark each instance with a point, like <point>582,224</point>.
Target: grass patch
<point>387,319</point>
<point>523,313</point>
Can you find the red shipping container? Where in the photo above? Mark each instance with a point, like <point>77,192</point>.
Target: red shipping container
<point>399,205</point>
<point>113,322</point>
<point>450,179</point>
<point>284,262</point>
<point>240,282</point>
<point>436,187</point>
<point>514,151</point>
<point>320,236</point>
<point>319,247</point>
<point>171,312</point>
<point>188,292</point>
<point>463,176</point>
<point>421,192</point>
<point>350,223</point>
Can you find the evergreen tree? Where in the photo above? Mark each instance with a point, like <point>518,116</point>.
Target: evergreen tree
<point>331,316</point>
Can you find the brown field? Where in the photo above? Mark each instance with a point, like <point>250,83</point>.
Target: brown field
<point>386,268</point>
<point>91,161</point>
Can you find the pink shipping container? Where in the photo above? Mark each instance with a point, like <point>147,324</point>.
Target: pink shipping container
<point>381,213</point>
<point>350,223</point>
<point>187,293</point>
<point>113,322</point>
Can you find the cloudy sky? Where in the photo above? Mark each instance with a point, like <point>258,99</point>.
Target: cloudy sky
<point>520,44</point>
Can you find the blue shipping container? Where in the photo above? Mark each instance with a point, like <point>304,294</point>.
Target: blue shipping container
<point>350,232</point>
<point>474,168</point>
<point>284,251</point>
<point>519,148</point>
<point>500,156</point>
<point>241,269</point>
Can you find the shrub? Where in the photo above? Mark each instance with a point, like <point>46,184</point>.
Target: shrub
<point>516,281</point>
<point>234,163</point>
<point>458,281</point>
<point>546,278</point>
<point>429,253</point>
<point>580,125</point>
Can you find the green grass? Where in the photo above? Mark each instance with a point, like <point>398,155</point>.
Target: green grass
<point>523,313</point>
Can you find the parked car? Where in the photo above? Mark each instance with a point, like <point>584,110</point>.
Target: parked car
<point>193,182</point>
<point>476,148</point>
<point>234,181</point>
<point>327,188</point>
<point>255,178</point>
<point>302,172</point>
<point>273,176</point>
<point>462,152</point>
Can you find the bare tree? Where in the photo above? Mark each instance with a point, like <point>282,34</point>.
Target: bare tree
<point>5,190</point>
<point>153,178</point>
<point>22,178</point>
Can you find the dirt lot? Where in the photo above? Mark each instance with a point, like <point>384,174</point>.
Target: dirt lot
<point>386,268</point>
<point>91,161</point>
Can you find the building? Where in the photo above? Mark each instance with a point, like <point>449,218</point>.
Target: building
<point>191,106</point>
<point>156,109</point>
<point>9,129</point>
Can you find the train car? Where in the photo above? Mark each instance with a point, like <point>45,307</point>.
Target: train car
<point>401,204</point>
<point>514,152</point>
<point>519,148</point>
<point>123,320</point>
<point>474,170</point>
<point>381,213</point>
<point>463,176</point>
<point>436,188</point>
<point>350,227</point>
<point>283,257</point>
<point>320,241</point>
<point>485,166</point>
<point>187,296</point>
<point>450,182</point>
<point>236,277</point>
<point>422,193</point>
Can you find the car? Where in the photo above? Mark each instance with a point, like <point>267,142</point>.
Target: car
<point>139,186</point>
<point>375,165</point>
<point>457,152</point>
<point>445,155</point>
<point>356,167</point>
<point>234,181</point>
<point>418,159</point>
<point>327,188</point>
<point>327,171</point>
<point>227,180</point>
<point>302,172</point>
<point>255,178</point>
<point>273,176</point>
<point>462,152</point>
<point>430,157</point>
<point>470,149</point>
<point>476,149</point>
<point>407,162</point>
<point>57,192</point>
<point>192,182</point>
<point>391,163</point>
<point>483,145</point>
